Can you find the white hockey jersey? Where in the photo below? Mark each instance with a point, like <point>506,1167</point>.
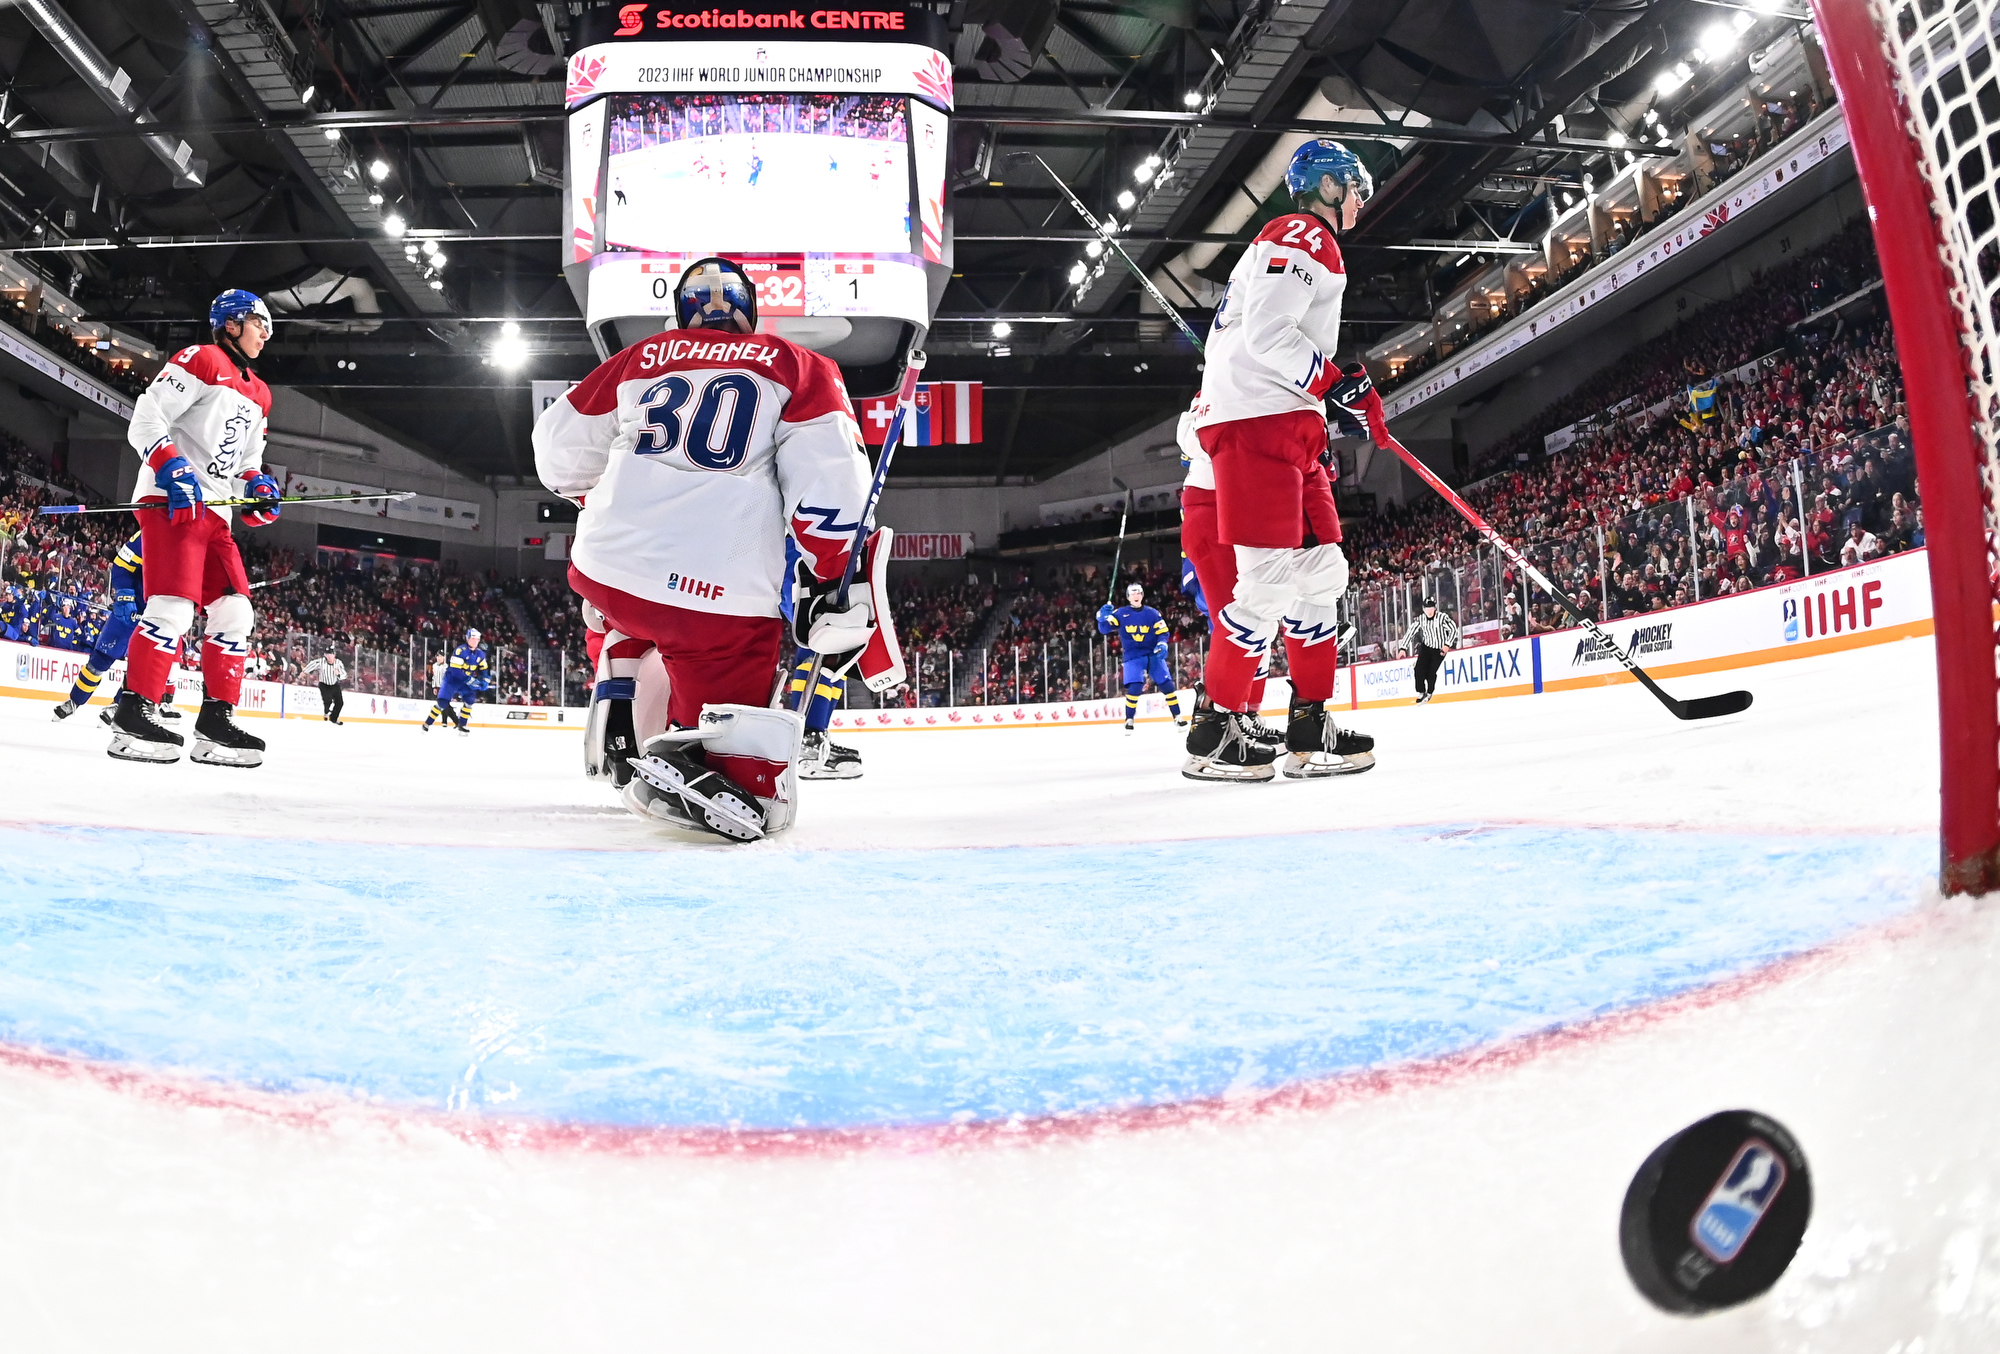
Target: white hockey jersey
<point>1270,350</point>
<point>215,414</point>
<point>693,453</point>
<point>1200,470</point>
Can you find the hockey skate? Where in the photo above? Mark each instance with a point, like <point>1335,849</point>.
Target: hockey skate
<point>139,736</point>
<point>823,759</point>
<point>218,741</point>
<point>670,783</point>
<point>1218,749</point>
<point>65,710</point>
<point>1128,726</point>
<point>1316,747</point>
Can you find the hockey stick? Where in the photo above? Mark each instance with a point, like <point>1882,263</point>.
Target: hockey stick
<point>1111,596</point>
<point>906,403</point>
<point>61,508</point>
<point>1702,707</point>
<point>1112,240</point>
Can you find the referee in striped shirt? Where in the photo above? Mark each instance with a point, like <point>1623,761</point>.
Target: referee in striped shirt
<point>1431,636</point>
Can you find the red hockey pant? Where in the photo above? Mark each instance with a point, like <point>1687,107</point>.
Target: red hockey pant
<point>1270,489</point>
<point>710,659</point>
<point>186,564</point>
<point>1214,568</point>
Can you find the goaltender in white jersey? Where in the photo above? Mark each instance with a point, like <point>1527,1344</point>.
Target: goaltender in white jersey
<point>693,455</point>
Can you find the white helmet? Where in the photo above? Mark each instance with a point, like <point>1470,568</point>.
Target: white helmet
<point>472,636</point>
<point>1131,588</point>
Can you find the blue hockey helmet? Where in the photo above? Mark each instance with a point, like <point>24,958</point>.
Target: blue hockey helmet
<point>716,294</point>
<point>1318,160</point>
<point>237,304</point>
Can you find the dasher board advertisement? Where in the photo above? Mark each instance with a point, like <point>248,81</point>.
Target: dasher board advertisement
<point>771,172</point>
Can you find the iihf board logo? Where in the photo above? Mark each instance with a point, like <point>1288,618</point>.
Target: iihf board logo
<point>1791,615</point>
<point>1738,1202</point>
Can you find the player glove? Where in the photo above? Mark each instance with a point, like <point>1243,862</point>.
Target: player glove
<point>1357,405</point>
<point>176,475</point>
<point>260,485</point>
<point>1107,617</point>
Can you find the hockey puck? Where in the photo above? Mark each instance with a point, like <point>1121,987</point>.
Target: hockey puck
<point>1716,1213</point>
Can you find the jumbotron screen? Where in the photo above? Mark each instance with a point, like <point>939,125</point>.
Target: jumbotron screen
<point>766,172</point>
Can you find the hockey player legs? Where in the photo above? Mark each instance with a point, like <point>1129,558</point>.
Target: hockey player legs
<point>185,564</point>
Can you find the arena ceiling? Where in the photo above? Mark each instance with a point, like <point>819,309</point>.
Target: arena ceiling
<point>263,143</point>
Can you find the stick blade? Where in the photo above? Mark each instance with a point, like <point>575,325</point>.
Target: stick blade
<point>1713,707</point>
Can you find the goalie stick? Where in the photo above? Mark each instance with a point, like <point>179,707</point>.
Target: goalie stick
<point>1702,707</point>
<point>61,508</point>
<point>906,401</point>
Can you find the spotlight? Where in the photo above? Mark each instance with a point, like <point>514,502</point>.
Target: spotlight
<point>394,226</point>
<point>1143,173</point>
<point>510,353</point>
<point>1094,248</point>
<point>1192,98</point>
<point>1077,273</point>
<point>510,330</point>
<point>1125,199</point>
<point>1718,40</point>
<point>333,133</point>
<point>430,246</point>
<point>1002,329</point>
<point>374,199</point>
<point>1672,78</point>
<point>307,97</point>
<point>1616,138</point>
<point>437,284</point>
<point>378,170</point>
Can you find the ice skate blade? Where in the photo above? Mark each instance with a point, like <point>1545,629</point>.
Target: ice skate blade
<point>821,771</point>
<point>63,711</point>
<point>127,749</point>
<point>1204,768</point>
<point>725,814</point>
<point>214,754</point>
<point>1320,765</point>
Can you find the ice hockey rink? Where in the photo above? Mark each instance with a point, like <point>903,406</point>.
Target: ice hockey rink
<point>1019,1042</point>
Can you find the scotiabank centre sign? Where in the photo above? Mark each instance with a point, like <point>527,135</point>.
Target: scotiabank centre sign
<point>761,19</point>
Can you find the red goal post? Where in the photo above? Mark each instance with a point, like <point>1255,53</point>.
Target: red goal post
<point>1919,84</point>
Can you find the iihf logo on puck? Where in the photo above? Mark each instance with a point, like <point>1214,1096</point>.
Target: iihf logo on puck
<point>1716,1213</point>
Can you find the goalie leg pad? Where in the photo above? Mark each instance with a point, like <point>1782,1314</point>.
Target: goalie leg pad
<point>609,740</point>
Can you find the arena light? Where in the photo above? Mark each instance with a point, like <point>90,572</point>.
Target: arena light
<point>307,97</point>
<point>1652,116</point>
<point>1616,138</point>
<point>1077,273</point>
<point>430,246</point>
<point>1673,78</point>
<point>510,350</point>
<point>374,199</point>
<point>1143,173</point>
<point>1192,98</point>
<point>1717,41</point>
<point>394,226</point>
<point>1094,248</point>
<point>1001,329</point>
<point>378,170</point>
<point>437,284</point>
<point>1125,199</point>
<point>333,133</point>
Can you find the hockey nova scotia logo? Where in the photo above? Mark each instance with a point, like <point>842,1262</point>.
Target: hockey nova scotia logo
<point>1644,640</point>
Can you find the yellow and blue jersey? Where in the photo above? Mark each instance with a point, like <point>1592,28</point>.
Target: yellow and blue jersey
<point>467,670</point>
<point>1140,630</point>
<point>127,572</point>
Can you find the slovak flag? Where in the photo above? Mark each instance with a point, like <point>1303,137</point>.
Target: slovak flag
<point>948,413</point>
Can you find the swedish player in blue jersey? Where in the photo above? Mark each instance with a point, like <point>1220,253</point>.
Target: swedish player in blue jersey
<point>465,676</point>
<point>1142,639</point>
<point>127,586</point>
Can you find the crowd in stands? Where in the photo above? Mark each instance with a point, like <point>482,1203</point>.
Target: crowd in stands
<point>1772,119</point>
<point>47,333</point>
<point>1814,395</point>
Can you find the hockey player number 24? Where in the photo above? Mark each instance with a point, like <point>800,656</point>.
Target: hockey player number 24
<point>660,413</point>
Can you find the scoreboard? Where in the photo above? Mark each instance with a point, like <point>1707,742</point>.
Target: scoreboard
<point>807,144</point>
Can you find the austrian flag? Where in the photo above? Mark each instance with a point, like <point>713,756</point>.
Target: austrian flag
<point>948,413</point>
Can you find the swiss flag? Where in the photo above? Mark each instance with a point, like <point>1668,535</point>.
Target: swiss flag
<point>946,413</point>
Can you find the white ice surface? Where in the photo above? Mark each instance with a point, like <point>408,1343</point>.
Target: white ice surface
<point>1475,1211</point>
<point>1846,741</point>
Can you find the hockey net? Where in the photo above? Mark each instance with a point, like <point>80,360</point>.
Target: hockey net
<point>1920,85</point>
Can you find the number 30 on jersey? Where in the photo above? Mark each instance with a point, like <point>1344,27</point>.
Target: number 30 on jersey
<point>716,435</point>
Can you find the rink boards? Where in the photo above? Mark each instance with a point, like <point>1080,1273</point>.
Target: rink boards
<point>1887,599</point>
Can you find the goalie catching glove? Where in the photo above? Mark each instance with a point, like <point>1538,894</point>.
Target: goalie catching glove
<point>864,628</point>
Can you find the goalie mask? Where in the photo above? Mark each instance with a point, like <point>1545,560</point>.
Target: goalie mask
<point>716,294</point>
